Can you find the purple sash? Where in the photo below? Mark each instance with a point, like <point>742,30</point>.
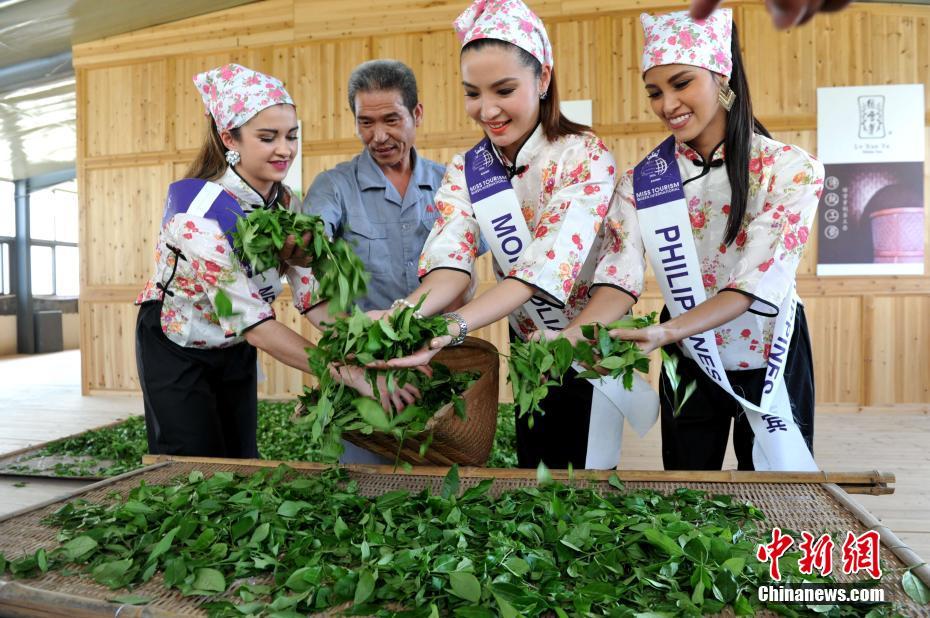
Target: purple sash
<point>224,209</point>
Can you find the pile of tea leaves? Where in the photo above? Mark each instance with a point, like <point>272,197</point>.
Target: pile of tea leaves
<point>287,544</point>
<point>109,451</point>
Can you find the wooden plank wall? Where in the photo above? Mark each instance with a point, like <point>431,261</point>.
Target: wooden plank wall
<point>140,121</point>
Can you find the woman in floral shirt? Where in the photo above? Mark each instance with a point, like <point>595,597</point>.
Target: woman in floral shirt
<point>562,177</point>
<point>197,365</point>
<point>750,203</point>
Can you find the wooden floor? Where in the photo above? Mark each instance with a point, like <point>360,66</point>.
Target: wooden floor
<point>40,400</point>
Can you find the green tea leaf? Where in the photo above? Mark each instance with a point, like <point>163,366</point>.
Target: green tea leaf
<point>663,542</point>
<point>303,579</point>
<point>111,573</point>
<point>79,547</point>
<point>506,609</point>
<point>290,508</point>
<point>222,304</point>
<point>210,580</point>
<point>260,534</point>
<point>165,544</point>
<point>450,485</point>
<point>372,413</point>
<point>517,566</point>
<point>543,476</point>
<point>175,571</point>
<point>735,565</point>
<point>340,529</point>
<point>915,588</point>
<point>466,586</point>
<point>364,588</point>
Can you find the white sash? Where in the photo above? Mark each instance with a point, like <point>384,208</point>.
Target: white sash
<point>497,211</point>
<point>669,242</point>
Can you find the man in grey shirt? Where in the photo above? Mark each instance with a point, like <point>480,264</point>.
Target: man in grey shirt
<point>382,200</point>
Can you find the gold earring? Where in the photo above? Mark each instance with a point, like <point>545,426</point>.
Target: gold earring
<point>726,96</point>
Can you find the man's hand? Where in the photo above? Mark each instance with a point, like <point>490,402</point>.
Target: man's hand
<point>377,314</point>
<point>785,13</point>
<point>291,253</point>
<point>354,376</point>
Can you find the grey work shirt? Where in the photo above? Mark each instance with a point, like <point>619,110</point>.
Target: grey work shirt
<point>360,204</point>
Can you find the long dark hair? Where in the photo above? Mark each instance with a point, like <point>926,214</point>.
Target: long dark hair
<point>554,124</point>
<point>741,124</point>
<point>210,162</point>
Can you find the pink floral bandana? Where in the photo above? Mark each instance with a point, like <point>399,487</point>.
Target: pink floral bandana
<point>233,94</point>
<point>675,38</point>
<point>505,20</point>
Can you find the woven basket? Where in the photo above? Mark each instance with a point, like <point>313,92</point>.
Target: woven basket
<point>465,442</point>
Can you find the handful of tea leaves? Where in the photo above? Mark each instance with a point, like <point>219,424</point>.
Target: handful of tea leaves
<point>339,271</point>
<point>537,365</point>
<point>333,408</point>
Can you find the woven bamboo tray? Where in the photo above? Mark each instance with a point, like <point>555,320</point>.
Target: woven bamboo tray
<point>798,501</point>
<point>465,442</point>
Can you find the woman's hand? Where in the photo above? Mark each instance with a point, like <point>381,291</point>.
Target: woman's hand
<point>419,359</point>
<point>355,377</point>
<point>547,334</point>
<point>572,333</point>
<point>785,13</point>
<point>648,339</point>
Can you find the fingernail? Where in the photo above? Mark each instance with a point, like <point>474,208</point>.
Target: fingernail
<point>784,19</point>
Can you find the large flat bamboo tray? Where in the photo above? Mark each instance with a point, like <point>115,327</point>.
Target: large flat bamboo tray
<point>797,501</point>
<point>44,467</point>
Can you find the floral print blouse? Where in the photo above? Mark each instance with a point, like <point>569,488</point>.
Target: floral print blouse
<point>785,184</point>
<point>564,188</point>
<point>207,265</point>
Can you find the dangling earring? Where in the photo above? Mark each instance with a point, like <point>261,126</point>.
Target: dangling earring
<point>726,96</point>
<point>543,95</point>
<point>233,158</point>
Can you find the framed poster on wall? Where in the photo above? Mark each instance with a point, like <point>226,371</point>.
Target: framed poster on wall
<point>871,214</point>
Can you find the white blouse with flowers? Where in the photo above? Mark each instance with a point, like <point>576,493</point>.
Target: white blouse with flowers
<point>784,189</point>
<point>188,317</point>
<point>564,192</point>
